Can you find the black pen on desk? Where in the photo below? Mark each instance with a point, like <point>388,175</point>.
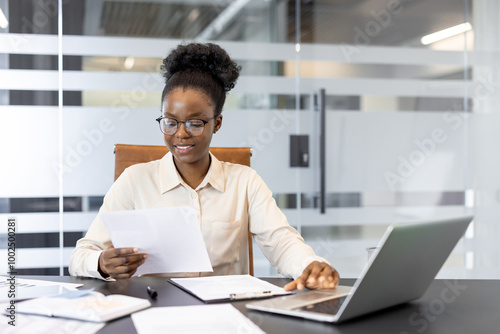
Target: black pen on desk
<point>152,292</point>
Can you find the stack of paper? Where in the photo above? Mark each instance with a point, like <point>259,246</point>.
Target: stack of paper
<point>216,319</point>
<point>29,324</point>
<point>29,288</point>
<point>93,307</point>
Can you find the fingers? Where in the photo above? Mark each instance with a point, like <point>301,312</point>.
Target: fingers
<point>316,275</point>
<point>126,271</point>
<point>121,262</point>
<point>290,286</point>
<point>300,282</point>
<point>328,278</point>
<point>126,264</point>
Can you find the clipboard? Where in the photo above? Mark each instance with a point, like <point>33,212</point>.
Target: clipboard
<point>228,288</point>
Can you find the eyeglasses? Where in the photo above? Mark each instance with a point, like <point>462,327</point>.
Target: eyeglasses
<point>194,127</point>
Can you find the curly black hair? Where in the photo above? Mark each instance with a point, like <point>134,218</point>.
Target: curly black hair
<point>204,67</point>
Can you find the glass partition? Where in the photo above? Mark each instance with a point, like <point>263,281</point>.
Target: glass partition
<point>410,127</point>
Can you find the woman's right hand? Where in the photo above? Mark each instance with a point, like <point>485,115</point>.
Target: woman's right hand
<point>120,262</point>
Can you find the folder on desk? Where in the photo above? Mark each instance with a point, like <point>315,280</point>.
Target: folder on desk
<point>228,287</point>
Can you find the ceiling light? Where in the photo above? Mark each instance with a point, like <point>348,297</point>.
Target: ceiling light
<point>129,63</point>
<point>442,34</point>
<point>193,15</point>
<point>3,20</point>
<point>222,20</point>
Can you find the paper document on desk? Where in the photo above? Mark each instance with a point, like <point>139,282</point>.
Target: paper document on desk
<point>218,319</point>
<point>27,324</point>
<point>15,288</point>
<point>228,287</point>
<point>93,306</point>
<point>170,236</point>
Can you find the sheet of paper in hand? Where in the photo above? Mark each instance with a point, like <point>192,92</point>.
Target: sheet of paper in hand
<point>171,236</point>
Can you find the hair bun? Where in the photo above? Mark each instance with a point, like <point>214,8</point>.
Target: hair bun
<point>207,57</point>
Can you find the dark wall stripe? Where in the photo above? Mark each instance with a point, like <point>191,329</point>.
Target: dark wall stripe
<point>49,204</point>
<point>42,240</point>
<point>284,201</point>
<point>41,271</point>
<point>355,200</point>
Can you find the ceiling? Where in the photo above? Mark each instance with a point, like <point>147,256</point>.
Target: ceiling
<point>321,21</point>
<point>340,21</point>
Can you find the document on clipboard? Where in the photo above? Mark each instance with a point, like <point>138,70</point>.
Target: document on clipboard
<point>228,287</point>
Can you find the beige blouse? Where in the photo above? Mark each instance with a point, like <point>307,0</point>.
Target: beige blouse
<point>231,200</point>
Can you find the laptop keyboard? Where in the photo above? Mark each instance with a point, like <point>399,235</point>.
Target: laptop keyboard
<point>331,306</point>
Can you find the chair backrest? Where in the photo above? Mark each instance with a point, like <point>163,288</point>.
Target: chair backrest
<point>128,155</point>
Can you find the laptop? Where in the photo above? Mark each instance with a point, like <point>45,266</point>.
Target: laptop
<point>409,257</point>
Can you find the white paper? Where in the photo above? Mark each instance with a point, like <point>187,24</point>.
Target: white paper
<point>29,324</point>
<point>170,236</point>
<point>93,307</point>
<point>30,288</point>
<point>220,287</point>
<point>216,319</point>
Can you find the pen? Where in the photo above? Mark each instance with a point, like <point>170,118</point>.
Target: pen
<point>249,295</point>
<point>152,292</point>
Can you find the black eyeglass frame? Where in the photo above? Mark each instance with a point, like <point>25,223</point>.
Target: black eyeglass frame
<point>186,127</point>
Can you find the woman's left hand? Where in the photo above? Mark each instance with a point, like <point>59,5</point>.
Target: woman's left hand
<point>317,275</point>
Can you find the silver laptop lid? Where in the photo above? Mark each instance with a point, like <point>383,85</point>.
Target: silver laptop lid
<point>410,256</point>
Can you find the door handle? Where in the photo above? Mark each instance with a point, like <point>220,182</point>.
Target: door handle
<point>320,106</point>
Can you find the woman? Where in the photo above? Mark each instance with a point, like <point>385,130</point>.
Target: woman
<point>229,199</point>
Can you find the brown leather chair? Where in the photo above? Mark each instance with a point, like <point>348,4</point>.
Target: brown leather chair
<point>128,155</point>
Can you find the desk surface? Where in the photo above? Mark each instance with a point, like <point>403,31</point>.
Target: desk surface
<point>449,306</point>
